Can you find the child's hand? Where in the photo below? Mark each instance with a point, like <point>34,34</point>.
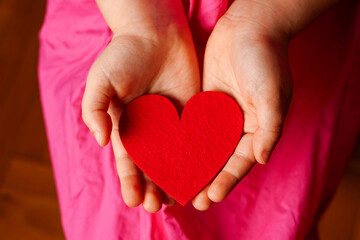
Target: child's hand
<point>152,54</point>
<point>247,58</point>
<point>248,62</point>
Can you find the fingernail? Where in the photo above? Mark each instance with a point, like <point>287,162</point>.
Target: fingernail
<point>265,157</point>
<point>98,137</point>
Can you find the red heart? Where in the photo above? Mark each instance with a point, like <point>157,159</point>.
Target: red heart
<point>181,156</point>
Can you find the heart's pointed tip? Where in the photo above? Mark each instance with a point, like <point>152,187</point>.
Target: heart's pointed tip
<point>180,198</point>
<point>183,202</point>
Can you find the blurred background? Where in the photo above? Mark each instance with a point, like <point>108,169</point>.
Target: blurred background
<point>28,201</point>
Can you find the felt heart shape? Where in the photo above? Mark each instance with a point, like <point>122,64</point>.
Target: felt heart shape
<point>181,156</point>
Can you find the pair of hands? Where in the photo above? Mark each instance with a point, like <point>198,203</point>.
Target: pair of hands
<point>244,58</point>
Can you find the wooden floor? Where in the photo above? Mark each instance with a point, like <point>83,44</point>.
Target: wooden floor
<point>28,201</point>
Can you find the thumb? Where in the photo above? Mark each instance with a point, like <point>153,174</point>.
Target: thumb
<point>96,100</point>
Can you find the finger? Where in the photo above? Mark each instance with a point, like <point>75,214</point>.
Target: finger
<point>152,196</point>
<point>202,202</point>
<point>95,104</point>
<point>238,166</point>
<point>167,199</point>
<point>270,117</point>
<point>129,175</point>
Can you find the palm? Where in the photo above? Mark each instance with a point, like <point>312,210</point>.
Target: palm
<point>135,66</point>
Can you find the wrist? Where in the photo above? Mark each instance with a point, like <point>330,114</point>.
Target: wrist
<point>277,18</point>
<point>142,17</point>
<point>251,23</point>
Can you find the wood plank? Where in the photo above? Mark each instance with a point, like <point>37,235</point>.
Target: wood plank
<point>18,78</point>
<point>24,216</point>
<point>356,230</point>
<point>25,175</point>
<point>28,202</point>
<point>339,220</point>
<point>31,139</point>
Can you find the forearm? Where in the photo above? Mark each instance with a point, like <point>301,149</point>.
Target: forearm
<point>278,17</point>
<point>123,16</point>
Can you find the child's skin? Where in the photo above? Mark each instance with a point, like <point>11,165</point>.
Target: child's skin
<point>152,52</point>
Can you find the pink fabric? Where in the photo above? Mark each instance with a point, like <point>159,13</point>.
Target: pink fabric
<point>282,200</point>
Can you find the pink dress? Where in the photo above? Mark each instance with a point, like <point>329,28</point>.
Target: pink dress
<point>282,200</point>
